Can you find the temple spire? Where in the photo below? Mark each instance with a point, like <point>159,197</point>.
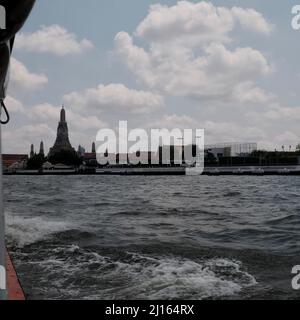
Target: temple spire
<point>42,152</point>
<point>32,151</point>
<point>63,114</point>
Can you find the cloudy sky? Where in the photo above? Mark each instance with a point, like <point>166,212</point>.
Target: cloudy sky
<point>230,67</point>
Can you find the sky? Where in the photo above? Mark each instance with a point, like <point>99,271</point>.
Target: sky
<point>229,67</point>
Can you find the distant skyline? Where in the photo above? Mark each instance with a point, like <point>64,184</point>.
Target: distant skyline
<point>230,67</point>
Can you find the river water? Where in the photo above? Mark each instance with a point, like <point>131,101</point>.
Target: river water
<point>110,237</point>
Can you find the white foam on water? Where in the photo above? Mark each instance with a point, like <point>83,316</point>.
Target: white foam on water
<point>24,231</point>
<point>186,279</point>
<point>143,277</point>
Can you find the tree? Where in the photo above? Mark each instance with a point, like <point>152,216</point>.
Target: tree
<point>66,157</point>
<point>210,158</point>
<point>36,162</point>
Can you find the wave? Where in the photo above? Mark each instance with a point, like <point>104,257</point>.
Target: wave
<point>136,276</point>
<point>291,218</point>
<point>232,194</point>
<point>173,278</point>
<point>23,231</point>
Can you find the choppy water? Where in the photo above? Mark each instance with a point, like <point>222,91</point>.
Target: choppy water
<point>95,237</point>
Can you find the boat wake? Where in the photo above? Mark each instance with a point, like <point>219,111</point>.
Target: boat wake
<point>81,274</point>
<point>23,231</point>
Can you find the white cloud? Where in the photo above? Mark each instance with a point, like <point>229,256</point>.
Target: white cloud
<point>52,39</point>
<point>184,53</point>
<point>252,20</point>
<point>20,138</point>
<point>115,97</point>
<point>175,121</point>
<point>215,131</point>
<point>287,138</point>
<point>233,132</point>
<point>249,93</point>
<point>22,79</point>
<point>284,138</point>
<point>197,23</point>
<point>14,105</point>
<point>218,74</point>
<point>281,113</point>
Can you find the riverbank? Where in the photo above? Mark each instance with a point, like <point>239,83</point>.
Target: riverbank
<point>169,171</point>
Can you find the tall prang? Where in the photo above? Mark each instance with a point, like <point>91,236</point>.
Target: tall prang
<point>32,151</point>
<point>42,152</point>
<point>62,142</point>
<point>93,147</point>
